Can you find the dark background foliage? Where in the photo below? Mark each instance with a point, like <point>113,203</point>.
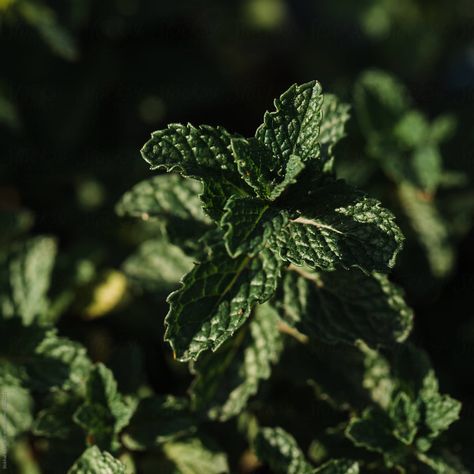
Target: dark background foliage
<point>70,147</point>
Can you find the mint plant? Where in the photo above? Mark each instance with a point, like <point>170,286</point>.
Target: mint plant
<point>278,273</point>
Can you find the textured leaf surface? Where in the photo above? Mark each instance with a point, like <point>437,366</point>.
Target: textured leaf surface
<point>440,411</point>
<point>191,151</point>
<point>158,420</point>
<point>94,461</point>
<point>105,412</point>
<point>164,196</point>
<point>335,114</point>
<point>194,456</point>
<point>40,358</point>
<point>216,298</point>
<point>293,128</point>
<point>157,265</point>
<point>361,234</point>
<point>338,467</point>
<point>249,223</point>
<point>227,378</point>
<point>279,450</point>
<point>262,171</point>
<point>344,306</point>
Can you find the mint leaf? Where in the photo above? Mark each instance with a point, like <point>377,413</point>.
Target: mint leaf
<point>157,265</point>
<point>194,152</point>
<point>16,410</point>
<point>260,170</point>
<point>405,416</point>
<point>164,197</point>
<point>158,420</point>
<point>440,411</point>
<point>94,461</point>
<point>429,227</point>
<point>279,450</point>
<point>345,306</point>
<point>335,114</point>
<point>226,379</point>
<point>27,277</point>
<point>358,234</point>
<point>216,298</point>
<point>41,359</point>
<point>293,128</point>
<point>104,412</point>
<point>249,223</point>
<point>195,456</point>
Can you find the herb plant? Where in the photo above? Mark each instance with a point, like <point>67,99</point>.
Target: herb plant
<point>285,291</point>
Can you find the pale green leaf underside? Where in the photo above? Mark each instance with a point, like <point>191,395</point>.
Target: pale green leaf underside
<point>362,234</point>
<point>293,128</point>
<point>94,461</point>
<point>345,306</point>
<point>227,378</point>
<point>249,223</point>
<point>279,450</point>
<point>216,298</point>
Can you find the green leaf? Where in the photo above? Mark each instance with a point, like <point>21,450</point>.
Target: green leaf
<point>28,272</point>
<point>227,378</point>
<point>430,229</point>
<point>157,265</point>
<point>167,197</point>
<point>338,467</point>
<point>373,431</point>
<point>94,461</point>
<point>345,306</point>
<point>440,411</point>
<point>249,223</point>
<point>44,20</point>
<point>293,128</point>
<point>261,171</point>
<point>195,456</point>
<point>158,420</point>
<point>196,152</point>
<point>40,358</point>
<point>380,101</point>
<point>360,234</point>
<point>279,450</point>
<point>216,298</point>
<point>55,420</point>
<point>405,416</point>
<point>104,412</point>
<point>335,114</point>
<point>16,408</point>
